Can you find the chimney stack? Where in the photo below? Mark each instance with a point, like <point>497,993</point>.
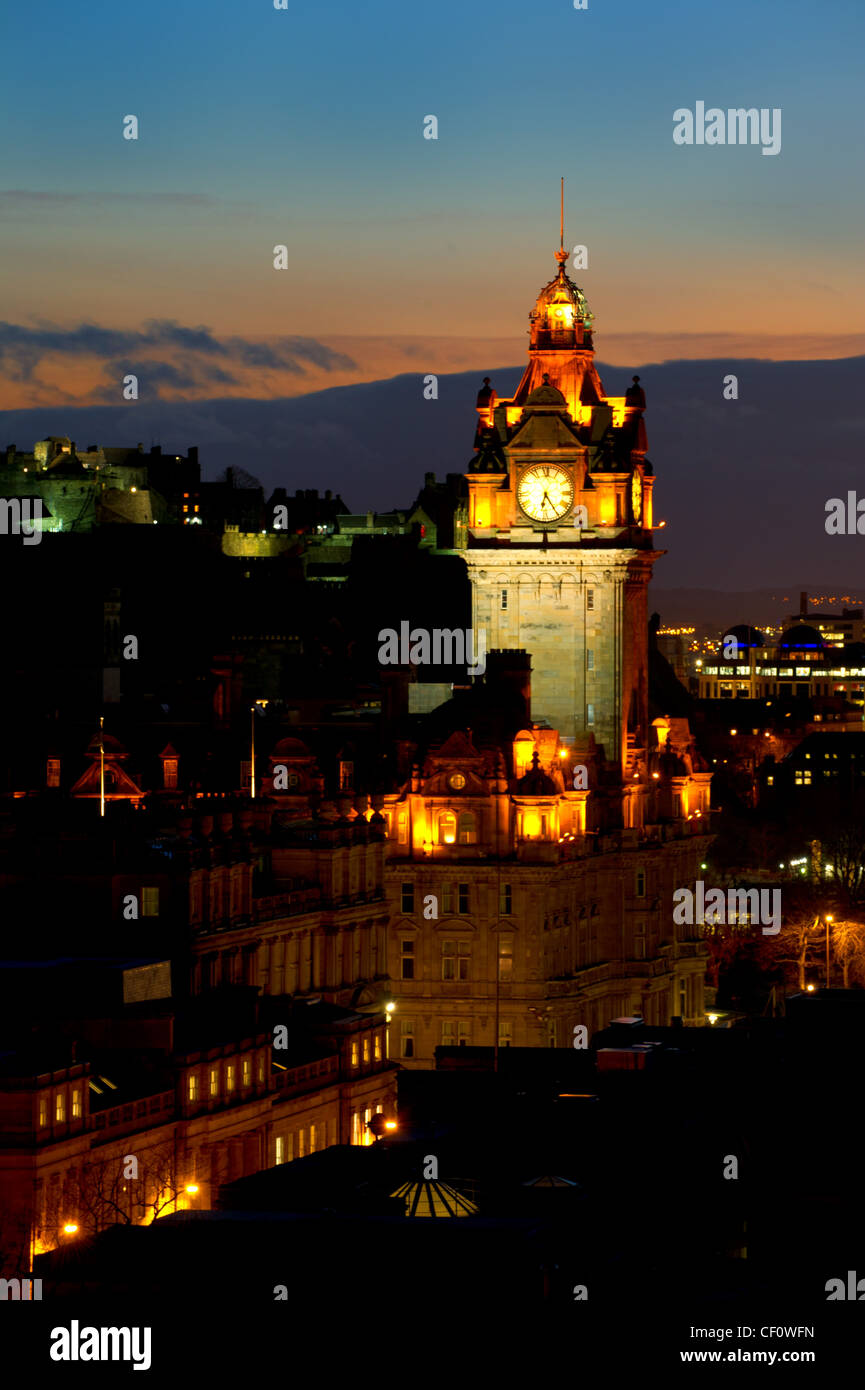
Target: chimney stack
<point>511,669</point>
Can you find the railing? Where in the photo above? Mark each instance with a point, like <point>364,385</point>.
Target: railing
<point>137,1114</point>
<point>290,904</point>
<point>309,1077</point>
<point>376,895</point>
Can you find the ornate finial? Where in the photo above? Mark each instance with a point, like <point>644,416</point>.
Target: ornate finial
<point>561,254</point>
<point>635,395</point>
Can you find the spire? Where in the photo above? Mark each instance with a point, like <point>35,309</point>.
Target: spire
<point>561,254</point>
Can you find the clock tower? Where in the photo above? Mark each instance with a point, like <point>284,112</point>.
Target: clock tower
<point>559,541</point>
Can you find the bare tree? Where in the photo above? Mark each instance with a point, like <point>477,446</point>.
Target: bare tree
<point>101,1192</point>
<point>848,946</point>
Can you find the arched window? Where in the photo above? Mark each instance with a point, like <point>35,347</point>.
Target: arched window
<point>467,832</point>
<point>447,828</point>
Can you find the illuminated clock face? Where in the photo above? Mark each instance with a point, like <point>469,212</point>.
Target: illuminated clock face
<point>546,492</point>
<point>456,781</point>
<point>636,496</point>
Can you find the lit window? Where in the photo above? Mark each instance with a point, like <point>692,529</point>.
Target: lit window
<point>467,831</point>
<point>169,773</point>
<point>230,1073</point>
<point>402,828</point>
<point>346,777</point>
<point>378,1047</point>
<point>214,1081</point>
<point>506,1032</point>
<point>447,828</point>
<point>186,509</point>
<point>192,1086</point>
<point>279,1149</point>
<point>312,1139</point>
<point>150,902</point>
<point>76,1105</point>
<point>52,773</point>
<point>366,1051</point>
<point>301,1143</point>
<point>355,1053</point>
<point>60,1107</point>
<point>261,1069</point>
<point>506,960</point>
<point>43,1111</point>
<point>246,1071</point>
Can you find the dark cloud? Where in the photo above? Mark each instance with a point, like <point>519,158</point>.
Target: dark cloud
<point>22,348</point>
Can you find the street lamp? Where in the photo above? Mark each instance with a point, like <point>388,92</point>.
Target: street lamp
<point>829,920</point>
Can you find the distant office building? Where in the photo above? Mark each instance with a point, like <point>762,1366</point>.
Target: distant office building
<point>837,629</point>
<point>802,665</point>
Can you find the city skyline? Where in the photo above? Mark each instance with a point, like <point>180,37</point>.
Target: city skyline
<point>432,811</point>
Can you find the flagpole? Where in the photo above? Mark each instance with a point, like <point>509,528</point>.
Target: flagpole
<point>252,754</point>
